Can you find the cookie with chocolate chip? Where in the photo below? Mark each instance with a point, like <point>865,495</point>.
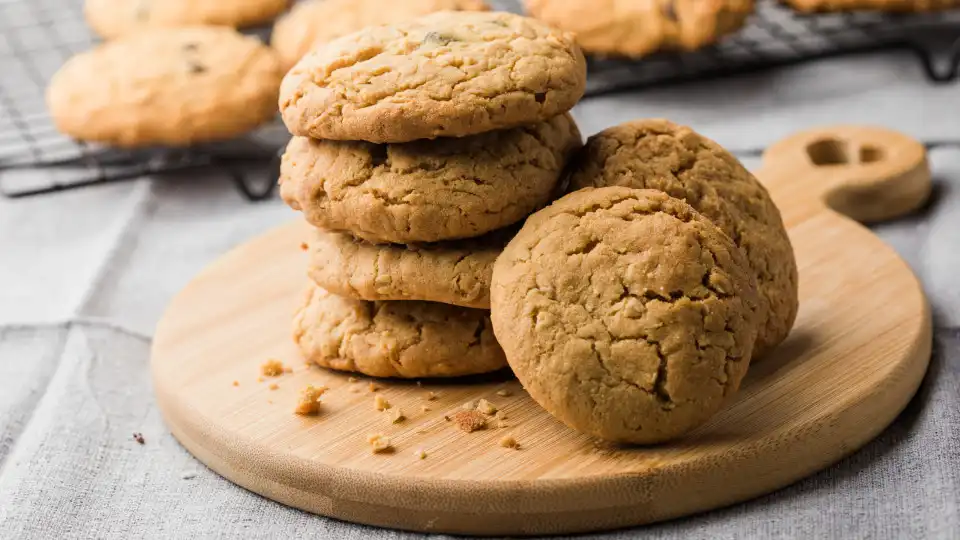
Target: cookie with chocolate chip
<point>448,74</point>
<point>166,87</point>
<point>636,29</point>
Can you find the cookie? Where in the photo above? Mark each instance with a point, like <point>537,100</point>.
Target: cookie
<point>426,191</point>
<point>625,313</point>
<point>635,29</point>
<point>166,87</point>
<point>448,74</point>
<point>455,272</point>
<point>395,339</point>
<point>114,18</point>
<point>661,155</point>
<point>314,22</point>
<point>812,6</point>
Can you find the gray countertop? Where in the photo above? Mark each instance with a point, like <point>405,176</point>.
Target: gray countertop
<point>85,275</point>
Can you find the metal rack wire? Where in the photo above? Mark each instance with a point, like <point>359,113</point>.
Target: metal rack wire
<point>37,36</point>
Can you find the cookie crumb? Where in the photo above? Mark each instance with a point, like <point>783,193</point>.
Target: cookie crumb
<point>421,453</point>
<point>351,379</point>
<point>503,392</point>
<point>446,418</point>
<point>259,379</point>
<point>188,475</point>
<point>272,368</point>
<point>470,421</point>
<point>236,383</point>
<point>373,387</point>
<point>310,400</point>
<point>378,442</point>
<point>486,407</point>
<point>304,246</point>
<point>469,406</point>
<point>288,369</point>
<point>274,386</point>
<point>509,442</point>
<point>139,438</point>
<point>397,416</point>
<point>424,408</point>
<point>500,417</point>
<point>381,403</point>
<point>431,396</point>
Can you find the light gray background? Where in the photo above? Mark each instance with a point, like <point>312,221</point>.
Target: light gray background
<point>85,275</point>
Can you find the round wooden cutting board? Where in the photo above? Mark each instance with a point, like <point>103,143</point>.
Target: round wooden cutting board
<point>859,349</point>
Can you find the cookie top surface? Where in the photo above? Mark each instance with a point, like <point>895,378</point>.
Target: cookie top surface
<point>314,22</point>
<point>114,18</point>
<point>614,27</point>
<point>426,191</point>
<point>625,313</point>
<point>395,339</point>
<point>168,86</point>
<point>456,272</point>
<point>658,154</point>
<point>447,74</point>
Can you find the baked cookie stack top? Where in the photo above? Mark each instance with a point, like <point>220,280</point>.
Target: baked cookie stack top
<point>417,149</point>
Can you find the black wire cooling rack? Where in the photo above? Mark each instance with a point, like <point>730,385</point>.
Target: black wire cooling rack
<point>37,36</point>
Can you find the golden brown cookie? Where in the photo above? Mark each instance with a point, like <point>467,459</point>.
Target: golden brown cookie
<point>448,74</point>
<point>661,155</point>
<point>313,22</point>
<point>638,28</point>
<point>456,272</point>
<point>395,339</point>
<point>166,87</point>
<point>115,18</point>
<point>426,191</point>
<point>625,314</point>
<point>812,6</point>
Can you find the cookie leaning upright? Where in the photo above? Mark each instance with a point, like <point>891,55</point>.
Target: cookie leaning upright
<point>449,74</point>
<point>661,155</point>
<point>625,313</point>
<point>172,86</point>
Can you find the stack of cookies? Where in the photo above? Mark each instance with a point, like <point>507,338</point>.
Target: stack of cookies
<point>418,149</point>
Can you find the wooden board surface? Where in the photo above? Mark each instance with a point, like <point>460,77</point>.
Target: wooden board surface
<point>857,354</point>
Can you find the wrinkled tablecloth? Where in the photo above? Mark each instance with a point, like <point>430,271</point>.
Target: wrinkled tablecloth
<point>85,275</point>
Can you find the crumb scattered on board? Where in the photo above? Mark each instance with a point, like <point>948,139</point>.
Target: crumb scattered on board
<point>397,416</point>
<point>304,246</point>
<point>469,421</point>
<point>139,438</point>
<point>236,383</point>
<point>424,408</point>
<point>309,402</point>
<point>259,379</point>
<point>486,407</point>
<point>287,369</point>
<point>373,387</point>
<point>272,368</point>
<point>509,442</point>
<point>274,386</point>
<point>378,442</point>
<point>432,396</point>
<point>503,392</point>
<point>421,453</point>
<point>500,417</point>
<point>381,403</point>
<point>469,406</point>
<point>351,379</point>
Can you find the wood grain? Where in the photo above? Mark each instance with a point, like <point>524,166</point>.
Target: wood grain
<point>857,354</point>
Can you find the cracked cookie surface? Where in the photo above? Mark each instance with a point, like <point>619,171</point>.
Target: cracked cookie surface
<point>114,18</point>
<point>448,74</point>
<point>624,313</point>
<point>427,191</point>
<point>635,29</point>
<point>455,272</point>
<point>200,84</point>
<point>315,22</point>
<point>658,154</point>
<point>395,339</point>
